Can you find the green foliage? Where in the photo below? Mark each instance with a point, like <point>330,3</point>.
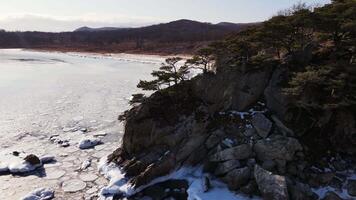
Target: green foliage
<point>169,73</point>
<point>323,87</point>
<point>316,45</point>
<point>137,98</point>
<point>202,60</point>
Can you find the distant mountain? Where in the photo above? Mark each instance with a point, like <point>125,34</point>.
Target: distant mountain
<point>183,24</point>
<point>88,29</point>
<point>177,37</point>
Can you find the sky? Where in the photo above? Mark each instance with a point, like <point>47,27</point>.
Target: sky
<point>67,15</point>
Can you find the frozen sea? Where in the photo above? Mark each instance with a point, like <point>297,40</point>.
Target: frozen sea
<point>44,94</point>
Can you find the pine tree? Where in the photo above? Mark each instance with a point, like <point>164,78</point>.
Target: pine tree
<point>170,73</point>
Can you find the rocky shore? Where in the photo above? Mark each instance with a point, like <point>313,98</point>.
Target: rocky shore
<point>242,130</point>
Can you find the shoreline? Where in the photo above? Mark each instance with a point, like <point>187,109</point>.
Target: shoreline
<point>101,52</point>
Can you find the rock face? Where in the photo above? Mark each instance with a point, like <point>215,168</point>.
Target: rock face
<point>236,153</point>
<point>237,178</point>
<point>272,187</point>
<point>262,125</point>
<point>277,148</point>
<point>221,122</point>
<point>231,89</point>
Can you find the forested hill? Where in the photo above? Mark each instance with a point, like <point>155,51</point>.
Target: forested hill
<point>177,37</point>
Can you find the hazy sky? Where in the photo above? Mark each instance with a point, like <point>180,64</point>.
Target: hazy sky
<point>66,15</point>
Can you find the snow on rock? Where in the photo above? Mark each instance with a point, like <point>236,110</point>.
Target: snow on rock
<point>47,159</point>
<point>85,164</point>
<point>87,143</point>
<point>3,168</point>
<point>323,191</point>
<point>118,183</point>
<point>23,167</point>
<point>40,194</point>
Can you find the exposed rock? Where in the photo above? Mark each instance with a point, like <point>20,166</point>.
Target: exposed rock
<point>276,100</point>
<point>47,159</point>
<point>285,130</point>
<point>240,152</point>
<point>326,178</point>
<point>88,143</point>
<point>351,187</point>
<point>206,184</point>
<point>4,169</point>
<point>272,187</point>
<point>277,148</point>
<point>300,191</point>
<point>250,189</point>
<point>269,165</point>
<point>224,167</point>
<point>171,189</point>
<point>214,139</point>
<point>262,125</point>
<point>40,194</point>
<point>237,178</point>
<point>30,163</point>
<point>231,89</point>
<point>32,159</point>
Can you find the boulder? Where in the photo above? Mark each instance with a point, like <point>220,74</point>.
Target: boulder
<point>351,187</point>
<point>269,165</point>
<point>237,178</point>
<point>224,167</point>
<point>232,89</point>
<point>240,152</point>
<point>262,125</point>
<point>276,100</point>
<point>300,191</point>
<point>32,159</point>
<point>88,143</point>
<point>272,187</point>
<point>47,159</point>
<point>277,148</point>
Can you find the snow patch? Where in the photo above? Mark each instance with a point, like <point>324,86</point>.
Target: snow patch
<point>40,194</point>
<point>118,184</point>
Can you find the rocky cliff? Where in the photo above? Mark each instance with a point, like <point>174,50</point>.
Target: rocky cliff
<point>243,129</point>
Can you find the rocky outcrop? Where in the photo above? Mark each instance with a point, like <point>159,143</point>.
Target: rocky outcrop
<point>272,187</point>
<point>231,89</point>
<point>262,125</point>
<point>219,121</point>
<point>240,152</point>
